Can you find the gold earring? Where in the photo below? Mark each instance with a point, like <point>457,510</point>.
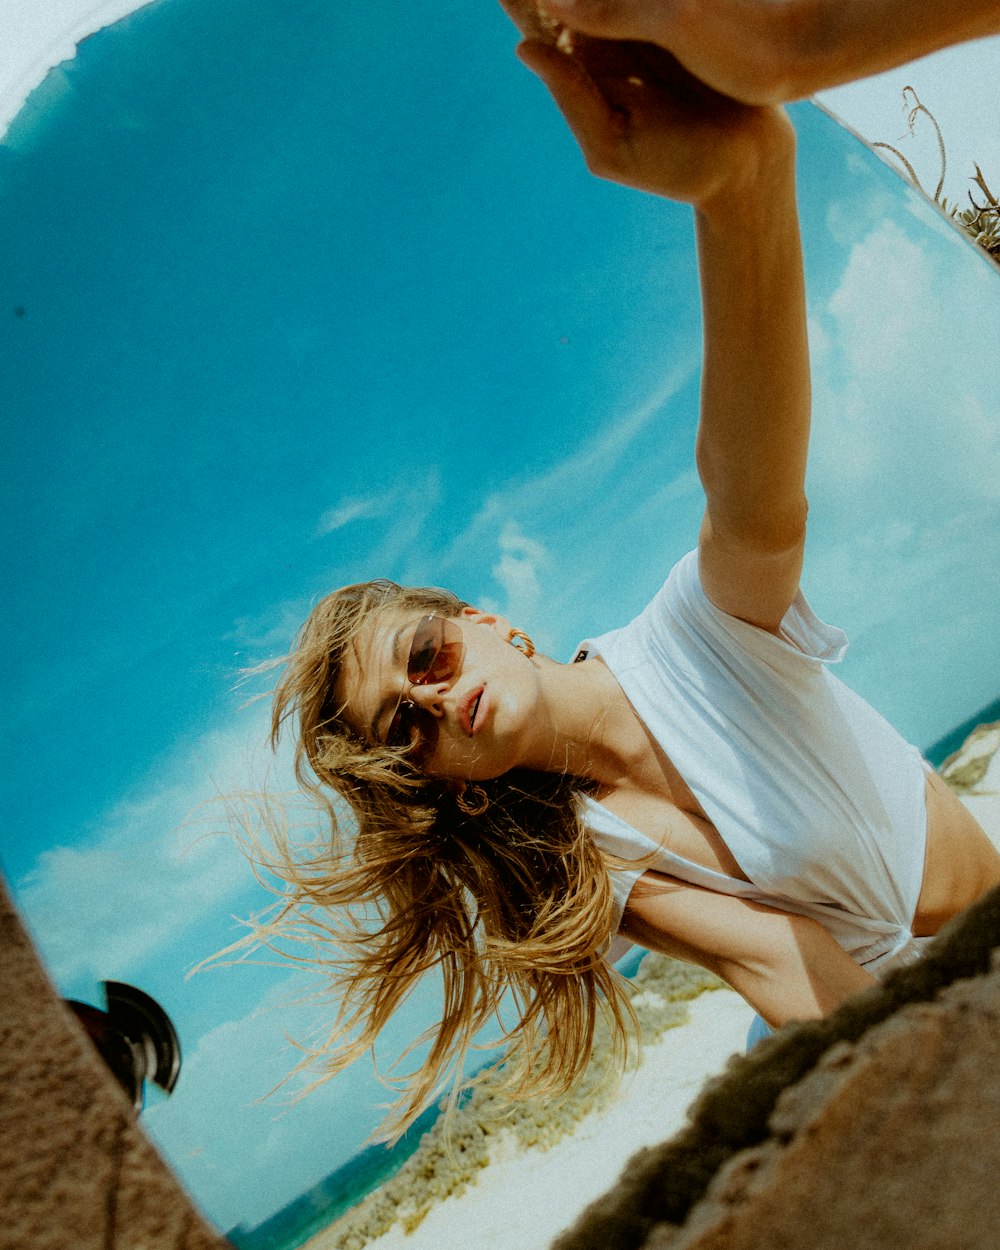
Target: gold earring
<point>516,635</point>
<point>473,800</point>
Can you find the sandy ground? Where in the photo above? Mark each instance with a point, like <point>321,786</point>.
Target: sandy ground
<point>526,1197</point>
<point>982,748</point>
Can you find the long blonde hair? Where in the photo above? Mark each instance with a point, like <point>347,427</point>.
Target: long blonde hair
<point>515,899</point>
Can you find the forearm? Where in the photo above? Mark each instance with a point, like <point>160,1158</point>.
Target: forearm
<point>755,398</point>
<point>806,985</point>
<point>788,967</point>
<point>825,43</point>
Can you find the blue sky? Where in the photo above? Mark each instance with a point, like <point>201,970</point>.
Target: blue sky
<point>286,305</point>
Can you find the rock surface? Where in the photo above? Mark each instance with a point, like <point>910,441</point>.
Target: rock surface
<point>76,1171</point>
<point>872,1148</point>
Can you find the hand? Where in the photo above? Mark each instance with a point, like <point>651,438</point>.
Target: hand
<point>643,120</point>
<point>770,51</point>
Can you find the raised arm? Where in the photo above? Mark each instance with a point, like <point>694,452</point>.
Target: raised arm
<point>769,51</point>
<point>755,396</point>
<point>642,120</point>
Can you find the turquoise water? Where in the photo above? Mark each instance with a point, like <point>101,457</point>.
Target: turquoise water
<point>337,1193</point>
<point>939,751</point>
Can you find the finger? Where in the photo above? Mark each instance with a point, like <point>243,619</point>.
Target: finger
<point>649,20</point>
<point>529,21</point>
<point>596,123</point>
<point>751,50</point>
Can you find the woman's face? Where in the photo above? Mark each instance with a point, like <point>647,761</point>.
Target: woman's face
<point>474,723</point>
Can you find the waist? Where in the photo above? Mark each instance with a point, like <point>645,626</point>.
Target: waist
<point>961,862</point>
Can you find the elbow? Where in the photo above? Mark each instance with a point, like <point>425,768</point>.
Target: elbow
<point>769,81</point>
<point>765,529</point>
<point>783,530</point>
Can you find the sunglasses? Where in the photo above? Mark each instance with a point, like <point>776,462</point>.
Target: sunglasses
<point>435,656</point>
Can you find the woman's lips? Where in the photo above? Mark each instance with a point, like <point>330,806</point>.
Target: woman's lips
<point>472,709</point>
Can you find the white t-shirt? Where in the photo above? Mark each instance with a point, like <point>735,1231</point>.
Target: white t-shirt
<point>819,799</point>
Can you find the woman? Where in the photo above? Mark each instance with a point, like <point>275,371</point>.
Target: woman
<point>697,782</point>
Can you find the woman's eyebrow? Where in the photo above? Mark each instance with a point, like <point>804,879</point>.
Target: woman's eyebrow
<point>387,703</point>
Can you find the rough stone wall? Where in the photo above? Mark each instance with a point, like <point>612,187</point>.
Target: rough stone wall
<point>877,1128</point>
<point>76,1171</point>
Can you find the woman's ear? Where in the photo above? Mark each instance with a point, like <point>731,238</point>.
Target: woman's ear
<point>476,617</point>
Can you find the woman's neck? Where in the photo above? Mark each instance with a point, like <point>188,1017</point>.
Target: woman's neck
<point>586,725</point>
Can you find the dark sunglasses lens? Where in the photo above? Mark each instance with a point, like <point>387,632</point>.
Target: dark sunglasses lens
<point>436,651</point>
<point>424,649</point>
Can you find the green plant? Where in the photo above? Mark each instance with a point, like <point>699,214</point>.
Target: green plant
<point>981,222</point>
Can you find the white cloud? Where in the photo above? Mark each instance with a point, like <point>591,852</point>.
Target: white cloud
<point>285,1143</point>
<point>904,474</point>
<point>580,477</point>
<point>271,631</point>
<point>517,570</point>
<point>911,393</point>
<point>158,863</point>
<point>353,509</point>
<point>884,301</point>
<point>221,1099</point>
<point>409,513</point>
<point>403,511</point>
<point>569,523</point>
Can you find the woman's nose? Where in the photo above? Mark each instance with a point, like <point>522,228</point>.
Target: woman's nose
<point>429,698</point>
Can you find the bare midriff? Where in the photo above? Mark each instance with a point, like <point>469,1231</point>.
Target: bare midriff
<point>961,862</point>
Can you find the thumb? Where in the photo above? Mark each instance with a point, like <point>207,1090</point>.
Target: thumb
<point>594,121</point>
<point>647,20</point>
